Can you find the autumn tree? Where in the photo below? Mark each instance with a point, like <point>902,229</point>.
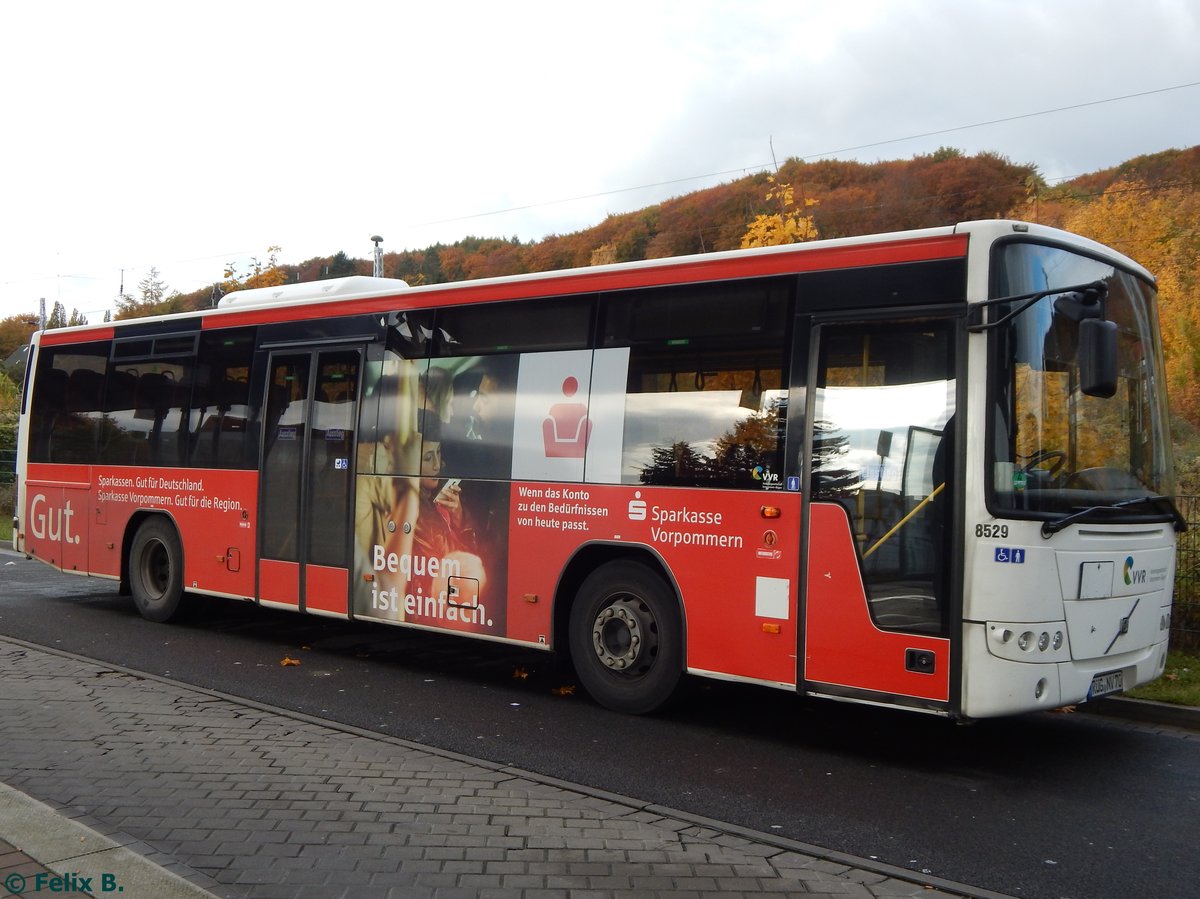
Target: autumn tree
<point>10,405</point>
<point>15,332</point>
<point>790,224</point>
<point>1157,226</point>
<point>605,254</point>
<point>260,274</point>
<point>154,298</point>
<point>152,287</point>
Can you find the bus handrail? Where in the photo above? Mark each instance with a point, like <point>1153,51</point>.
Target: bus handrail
<point>903,521</point>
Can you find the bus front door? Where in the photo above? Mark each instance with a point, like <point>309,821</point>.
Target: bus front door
<point>307,485</point>
<point>876,620</point>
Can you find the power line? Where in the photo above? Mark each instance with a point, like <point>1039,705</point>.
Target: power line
<point>1015,118</point>
<point>765,165</point>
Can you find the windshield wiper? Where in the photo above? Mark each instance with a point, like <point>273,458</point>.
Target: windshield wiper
<point>1053,527</point>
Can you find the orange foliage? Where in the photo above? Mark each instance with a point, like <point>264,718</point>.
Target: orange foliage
<point>791,224</point>
<point>1160,228</point>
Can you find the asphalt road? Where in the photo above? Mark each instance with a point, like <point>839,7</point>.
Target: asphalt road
<point>1040,806</point>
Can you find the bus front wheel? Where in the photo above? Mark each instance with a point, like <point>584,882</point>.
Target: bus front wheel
<point>626,638</point>
<point>156,570</point>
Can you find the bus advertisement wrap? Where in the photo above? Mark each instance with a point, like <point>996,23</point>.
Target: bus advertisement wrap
<point>456,545</point>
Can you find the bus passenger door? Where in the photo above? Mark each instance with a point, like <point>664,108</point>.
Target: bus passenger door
<point>307,480</point>
<point>876,621</point>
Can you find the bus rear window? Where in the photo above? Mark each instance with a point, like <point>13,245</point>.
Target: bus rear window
<point>67,403</point>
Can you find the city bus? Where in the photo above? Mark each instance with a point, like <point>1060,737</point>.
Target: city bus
<point>928,470</point>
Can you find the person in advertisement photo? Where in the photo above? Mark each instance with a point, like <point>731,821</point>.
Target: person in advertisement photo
<point>428,545</point>
<point>382,501</point>
<point>447,575</point>
<point>479,433</point>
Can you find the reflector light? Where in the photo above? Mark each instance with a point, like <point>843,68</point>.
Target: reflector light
<point>770,511</point>
<point>771,628</point>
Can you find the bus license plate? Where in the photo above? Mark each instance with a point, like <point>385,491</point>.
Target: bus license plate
<point>1103,684</point>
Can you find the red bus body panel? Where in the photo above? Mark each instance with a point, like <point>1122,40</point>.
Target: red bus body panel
<point>843,647</point>
<point>736,569</point>
<point>76,518</point>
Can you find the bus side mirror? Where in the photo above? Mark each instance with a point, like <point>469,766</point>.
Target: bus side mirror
<point>1098,357</point>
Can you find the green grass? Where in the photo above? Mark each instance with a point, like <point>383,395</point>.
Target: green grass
<point>6,530</point>
<point>1180,684</point>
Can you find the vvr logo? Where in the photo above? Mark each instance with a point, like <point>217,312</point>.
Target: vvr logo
<point>1133,575</point>
<point>767,477</point>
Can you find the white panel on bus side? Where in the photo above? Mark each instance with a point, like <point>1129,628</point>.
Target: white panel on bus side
<point>553,421</point>
<point>610,374</point>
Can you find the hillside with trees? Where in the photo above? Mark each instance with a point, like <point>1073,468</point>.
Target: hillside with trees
<point>1146,207</point>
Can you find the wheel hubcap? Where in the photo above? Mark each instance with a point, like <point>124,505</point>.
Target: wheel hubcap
<point>156,569</point>
<point>625,636</point>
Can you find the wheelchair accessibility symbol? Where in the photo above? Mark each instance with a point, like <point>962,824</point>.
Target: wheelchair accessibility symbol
<point>1010,554</point>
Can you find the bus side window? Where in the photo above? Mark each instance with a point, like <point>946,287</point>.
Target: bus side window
<point>162,399</point>
<point>122,441</point>
<point>705,403</point>
<point>472,379</point>
<point>220,406</point>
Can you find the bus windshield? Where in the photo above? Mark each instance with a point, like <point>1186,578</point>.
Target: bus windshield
<point>1054,449</point>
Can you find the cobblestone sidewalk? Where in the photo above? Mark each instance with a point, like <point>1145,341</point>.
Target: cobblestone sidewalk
<point>244,800</point>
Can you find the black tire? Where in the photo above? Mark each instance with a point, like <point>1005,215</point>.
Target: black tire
<point>156,570</point>
<point>626,638</point>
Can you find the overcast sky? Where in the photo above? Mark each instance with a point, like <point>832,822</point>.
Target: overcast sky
<point>184,136</point>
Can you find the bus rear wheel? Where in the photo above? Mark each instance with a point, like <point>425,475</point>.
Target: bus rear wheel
<point>156,570</point>
<point>626,638</point>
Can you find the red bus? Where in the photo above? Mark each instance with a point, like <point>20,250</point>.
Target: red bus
<point>926,469</point>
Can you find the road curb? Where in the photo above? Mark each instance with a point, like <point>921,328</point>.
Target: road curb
<point>81,855</point>
<point>1145,711</point>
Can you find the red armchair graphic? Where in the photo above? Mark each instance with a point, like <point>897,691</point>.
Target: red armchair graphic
<point>567,428</point>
